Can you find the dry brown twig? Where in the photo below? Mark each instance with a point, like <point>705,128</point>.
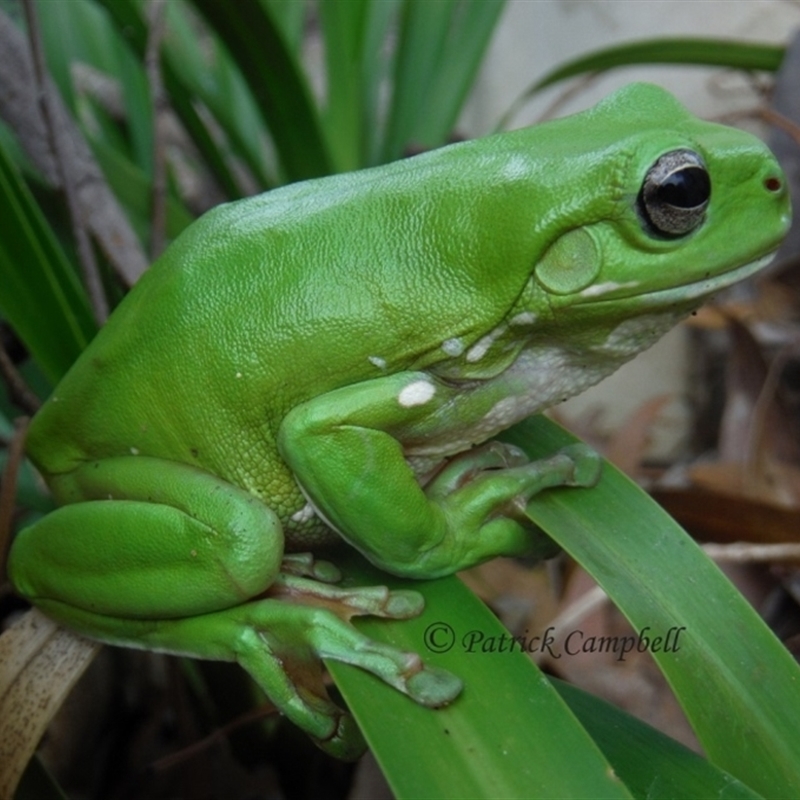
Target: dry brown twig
<point>18,391</point>
<point>66,178</point>
<point>21,111</point>
<point>8,486</point>
<point>158,98</point>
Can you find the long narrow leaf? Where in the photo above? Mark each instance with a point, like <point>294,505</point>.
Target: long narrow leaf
<point>737,684</point>
<point>440,48</point>
<point>689,51</point>
<point>128,19</point>
<point>79,32</point>
<point>210,75</point>
<point>377,64</point>
<point>290,17</point>
<point>509,735</point>
<point>423,30</point>
<point>40,295</point>
<point>134,190</point>
<point>344,26</point>
<point>711,52</point>
<point>651,764</point>
<point>463,53</point>
<point>276,81</point>
<point>494,721</point>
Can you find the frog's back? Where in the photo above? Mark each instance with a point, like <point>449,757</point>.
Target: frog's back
<point>258,306</point>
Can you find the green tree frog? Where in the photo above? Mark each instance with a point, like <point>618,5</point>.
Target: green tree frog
<point>331,360</point>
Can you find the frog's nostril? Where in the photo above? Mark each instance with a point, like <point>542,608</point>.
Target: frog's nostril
<point>773,184</point>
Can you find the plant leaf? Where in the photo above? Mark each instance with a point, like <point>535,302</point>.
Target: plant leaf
<point>508,735</point>
<point>651,764</point>
<point>344,27</point>
<point>440,47</point>
<point>689,51</point>
<point>128,20</point>
<point>738,685</point>
<point>276,81</point>
<point>40,295</point>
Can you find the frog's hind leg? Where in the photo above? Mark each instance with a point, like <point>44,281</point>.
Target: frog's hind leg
<point>149,539</point>
<point>182,562</point>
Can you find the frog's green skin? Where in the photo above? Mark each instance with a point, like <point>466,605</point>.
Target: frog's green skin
<point>305,361</point>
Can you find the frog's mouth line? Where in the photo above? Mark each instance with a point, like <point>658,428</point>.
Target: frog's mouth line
<point>687,293</point>
<point>703,288</point>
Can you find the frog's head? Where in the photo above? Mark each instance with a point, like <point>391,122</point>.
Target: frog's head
<point>674,210</point>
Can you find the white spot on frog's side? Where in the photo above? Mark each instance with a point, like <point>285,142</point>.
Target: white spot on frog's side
<point>416,394</point>
<point>377,361</point>
<point>238,374</point>
<point>306,513</point>
<point>481,347</point>
<point>453,347</point>
<point>604,288</point>
<point>134,451</point>
<point>523,318</point>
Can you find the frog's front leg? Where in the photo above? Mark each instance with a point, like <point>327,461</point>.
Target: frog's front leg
<point>347,451</point>
<point>163,556</point>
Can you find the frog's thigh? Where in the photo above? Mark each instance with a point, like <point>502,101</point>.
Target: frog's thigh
<point>166,540</point>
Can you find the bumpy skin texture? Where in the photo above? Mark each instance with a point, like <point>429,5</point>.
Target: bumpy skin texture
<point>300,366</point>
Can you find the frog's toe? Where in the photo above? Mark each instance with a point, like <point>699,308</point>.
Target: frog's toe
<point>587,465</point>
<point>376,601</point>
<point>433,687</point>
<point>346,743</point>
<point>403,604</point>
<point>304,565</point>
<point>280,644</point>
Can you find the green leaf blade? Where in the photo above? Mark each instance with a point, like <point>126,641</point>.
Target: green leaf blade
<point>276,81</point>
<point>509,735</point>
<point>40,295</point>
<point>344,27</point>
<point>738,685</point>
<point>440,47</point>
<point>685,51</point>
<point>651,764</point>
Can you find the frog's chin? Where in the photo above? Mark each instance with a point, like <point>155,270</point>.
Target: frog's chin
<point>694,293</point>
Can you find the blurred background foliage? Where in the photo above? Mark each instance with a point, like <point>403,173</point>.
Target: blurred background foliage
<point>120,122</point>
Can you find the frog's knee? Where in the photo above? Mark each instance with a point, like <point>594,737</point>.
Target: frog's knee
<point>252,550</point>
<point>18,561</point>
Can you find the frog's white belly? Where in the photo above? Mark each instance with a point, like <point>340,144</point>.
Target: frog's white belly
<point>540,377</point>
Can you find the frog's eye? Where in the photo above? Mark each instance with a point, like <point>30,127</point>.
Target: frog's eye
<point>675,193</point>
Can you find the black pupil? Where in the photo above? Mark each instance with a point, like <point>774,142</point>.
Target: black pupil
<point>686,188</point>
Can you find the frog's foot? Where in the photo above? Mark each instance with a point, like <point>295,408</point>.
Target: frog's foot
<point>316,616</point>
<point>466,466</point>
<point>376,601</point>
<point>484,494</point>
<point>499,477</point>
<point>574,465</point>
<point>281,642</point>
<point>587,465</point>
